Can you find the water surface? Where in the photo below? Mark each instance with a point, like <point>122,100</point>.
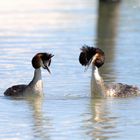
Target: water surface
<point>67,111</point>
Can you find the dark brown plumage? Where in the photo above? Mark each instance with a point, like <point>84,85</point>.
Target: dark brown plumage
<point>44,57</point>
<point>87,54</point>
<point>122,90</point>
<point>16,90</point>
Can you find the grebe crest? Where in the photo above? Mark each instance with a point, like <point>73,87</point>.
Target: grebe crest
<point>95,56</point>
<point>35,87</point>
<point>91,55</point>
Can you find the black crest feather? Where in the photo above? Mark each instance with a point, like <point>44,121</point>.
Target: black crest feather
<point>86,54</point>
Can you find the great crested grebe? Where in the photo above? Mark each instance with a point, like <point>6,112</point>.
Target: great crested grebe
<point>95,56</point>
<point>35,87</point>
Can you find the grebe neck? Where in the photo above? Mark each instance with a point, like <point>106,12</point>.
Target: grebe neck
<point>36,84</point>
<point>99,81</point>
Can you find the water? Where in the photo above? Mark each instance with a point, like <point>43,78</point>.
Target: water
<point>67,111</point>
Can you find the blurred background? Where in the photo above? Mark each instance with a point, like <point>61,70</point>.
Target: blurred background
<point>60,27</point>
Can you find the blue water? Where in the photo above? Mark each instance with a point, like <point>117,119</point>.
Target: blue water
<point>67,112</point>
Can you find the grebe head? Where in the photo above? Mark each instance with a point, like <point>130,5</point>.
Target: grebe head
<point>91,55</point>
<point>42,60</point>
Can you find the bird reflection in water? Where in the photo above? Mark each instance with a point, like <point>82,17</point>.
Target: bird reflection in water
<point>41,124</point>
<point>104,122</point>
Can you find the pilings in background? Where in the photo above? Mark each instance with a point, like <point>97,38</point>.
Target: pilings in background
<point>109,0</point>
<point>106,37</point>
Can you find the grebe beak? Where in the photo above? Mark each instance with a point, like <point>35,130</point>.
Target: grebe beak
<point>88,64</point>
<point>91,61</point>
<point>46,64</point>
<point>48,70</point>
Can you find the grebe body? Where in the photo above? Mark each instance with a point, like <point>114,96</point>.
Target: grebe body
<point>96,56</point>
<point>35,87</point>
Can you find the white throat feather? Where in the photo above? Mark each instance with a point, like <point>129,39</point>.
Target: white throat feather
<point>36,85</point>
<point>99,81</point>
